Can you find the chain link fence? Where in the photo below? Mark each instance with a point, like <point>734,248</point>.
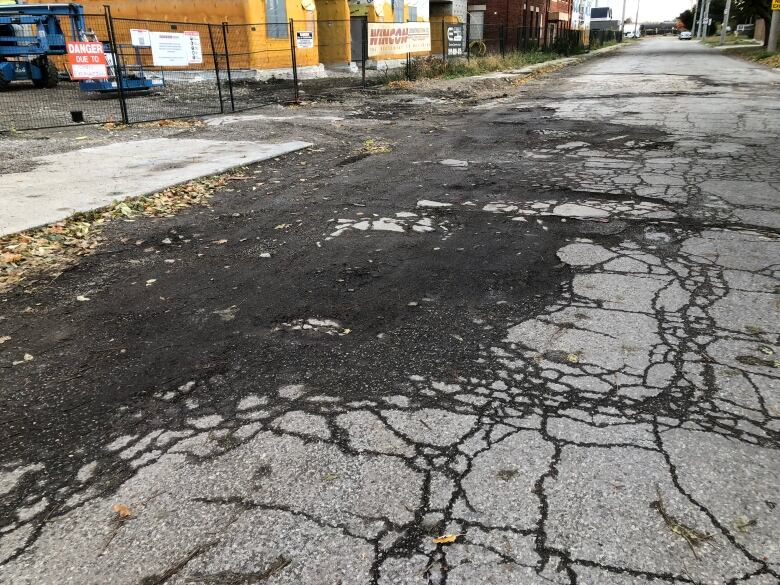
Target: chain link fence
<point>235,67</point>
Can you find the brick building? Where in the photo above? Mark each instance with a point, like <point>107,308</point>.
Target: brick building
<point>538,19</point>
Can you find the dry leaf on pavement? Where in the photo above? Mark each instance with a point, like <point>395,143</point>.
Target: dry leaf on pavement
<point>446,539</point>
<point>122,511</point>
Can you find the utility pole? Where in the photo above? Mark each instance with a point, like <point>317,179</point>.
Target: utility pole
<point>623,18</point>
<point>704,21</point>
<point>774,30</point>
<point>636,22</point>
<point>696,15</point>
<point>701,18</point>
<point>726,16</point>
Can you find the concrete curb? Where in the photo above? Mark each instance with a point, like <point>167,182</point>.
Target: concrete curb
<point>515,73</point>
<point>121,170</point>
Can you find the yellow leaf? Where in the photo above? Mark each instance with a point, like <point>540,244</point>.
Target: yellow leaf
<point>573,358</point>
<point>10,258</point>
<point>122,511</point>
<point>446,539</point>
<point>282,226</point>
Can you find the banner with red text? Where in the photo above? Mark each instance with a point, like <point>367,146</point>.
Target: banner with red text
<point>385,39</point>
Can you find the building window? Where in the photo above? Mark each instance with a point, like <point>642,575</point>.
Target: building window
<point>413,14</point>
<point>477,25</point>
<point>276,17</point>
<point>398,10</point>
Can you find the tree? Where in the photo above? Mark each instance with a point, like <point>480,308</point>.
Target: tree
<point>628,21</point>
<point>686,20</point>
<point>758,9</point>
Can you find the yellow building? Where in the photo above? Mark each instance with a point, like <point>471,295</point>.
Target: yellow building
<point>258,31</point>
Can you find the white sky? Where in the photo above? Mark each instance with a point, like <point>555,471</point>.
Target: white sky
<point>649,10</point>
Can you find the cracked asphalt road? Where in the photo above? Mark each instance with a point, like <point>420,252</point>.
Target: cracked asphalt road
<point>536,323</point>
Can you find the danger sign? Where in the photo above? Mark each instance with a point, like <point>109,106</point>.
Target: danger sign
<point>87,61</point>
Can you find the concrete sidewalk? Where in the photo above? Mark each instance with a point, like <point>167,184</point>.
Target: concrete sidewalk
<point>60,185</point>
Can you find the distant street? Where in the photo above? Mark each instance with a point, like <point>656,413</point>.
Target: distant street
<point>525,335</point>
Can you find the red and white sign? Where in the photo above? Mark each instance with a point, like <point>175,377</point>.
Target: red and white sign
<point>396,39</point>
<point>194,50</point>
<point>87,61</point>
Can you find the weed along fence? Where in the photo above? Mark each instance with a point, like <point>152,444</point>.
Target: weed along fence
<point>122,70</point>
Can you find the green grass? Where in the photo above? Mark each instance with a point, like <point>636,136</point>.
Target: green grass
<point>730,40</point>
<point>437,68</point>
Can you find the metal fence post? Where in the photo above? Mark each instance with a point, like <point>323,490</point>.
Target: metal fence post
<point>502,40</point>
<point>117,65</point>
<point>227,64</point>
<point>364,49</point>
<point>443,41</point>
<point>216,70</point>
<point>294,59</point>
<point>468,36</point>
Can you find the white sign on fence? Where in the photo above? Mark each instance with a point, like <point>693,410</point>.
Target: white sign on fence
<point>398,39</point>
<point>170,49</point>
<point>194,49</point>
<point>304,39</point>
<point>140,37</point>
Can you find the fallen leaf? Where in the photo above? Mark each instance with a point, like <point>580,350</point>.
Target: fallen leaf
<point>4,338</point>
<point>282,226</point>
<point>82,299</point>
<point>10,258</point>
<point>81,137</point>
<point>220,242</point>
<point>767,350</point>
<point>125,210</point>
<point>573,358</point>
<point>122,511</point>
<point>743,523</point>
<point>27,358</point>
<point>151,281</point>
<point>446,539</point>
<point>330,477</point>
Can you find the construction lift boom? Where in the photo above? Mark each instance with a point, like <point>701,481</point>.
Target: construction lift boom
<point>30,34</point>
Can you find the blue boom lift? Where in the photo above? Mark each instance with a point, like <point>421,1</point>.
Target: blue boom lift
<point>31,33</point>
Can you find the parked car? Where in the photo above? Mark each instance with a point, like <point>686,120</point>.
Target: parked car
<point>686,35</point>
